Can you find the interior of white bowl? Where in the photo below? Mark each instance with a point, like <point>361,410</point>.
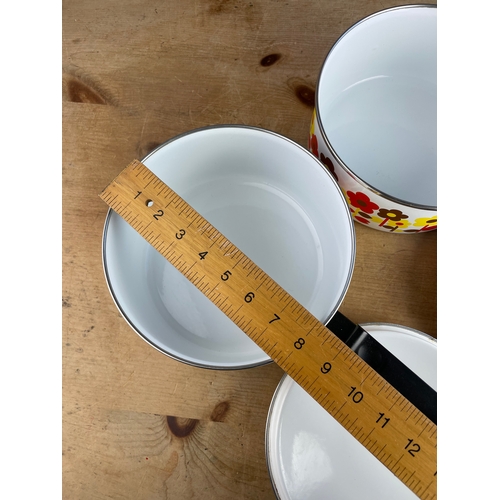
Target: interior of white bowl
<point>269,197</point>
<point>310,455</point>
<point>377,102</point>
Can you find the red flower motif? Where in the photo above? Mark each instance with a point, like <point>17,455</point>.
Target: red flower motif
<point>313,145</point>
<point>361,201</point>
<point>361,219</point>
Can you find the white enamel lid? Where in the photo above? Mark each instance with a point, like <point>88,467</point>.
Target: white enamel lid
<point>311,456</point>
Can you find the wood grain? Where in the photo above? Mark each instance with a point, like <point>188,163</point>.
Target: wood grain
<point>134,75</point>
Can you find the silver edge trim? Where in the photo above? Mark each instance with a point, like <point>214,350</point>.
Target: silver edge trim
<point>267,431</point>
<point>425,336</point>
<point>259,363</point>
<point>322,130</point>
<point>284,378</point>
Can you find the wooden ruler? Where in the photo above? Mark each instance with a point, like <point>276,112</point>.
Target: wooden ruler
<point>377,415</point>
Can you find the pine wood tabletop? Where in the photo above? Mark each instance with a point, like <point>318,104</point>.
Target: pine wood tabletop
<point>137,424</point>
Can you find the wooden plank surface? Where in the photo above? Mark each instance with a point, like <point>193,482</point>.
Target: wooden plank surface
<point>137,424</point>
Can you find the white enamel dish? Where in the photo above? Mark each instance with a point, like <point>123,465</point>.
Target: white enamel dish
<point>375,120</point>
<point>271,198</point>
<point>312,457</point>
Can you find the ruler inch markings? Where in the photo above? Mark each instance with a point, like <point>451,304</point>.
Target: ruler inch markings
<point>348,388</point>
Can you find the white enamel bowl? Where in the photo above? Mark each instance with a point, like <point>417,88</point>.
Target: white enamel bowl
<point>375,120</point>
<point>272,199</point>
<point>312,457</point>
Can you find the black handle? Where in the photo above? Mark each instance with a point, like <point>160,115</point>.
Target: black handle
<point>386,365</point>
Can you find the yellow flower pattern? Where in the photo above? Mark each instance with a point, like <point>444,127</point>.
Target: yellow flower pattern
<point>426,221</point>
